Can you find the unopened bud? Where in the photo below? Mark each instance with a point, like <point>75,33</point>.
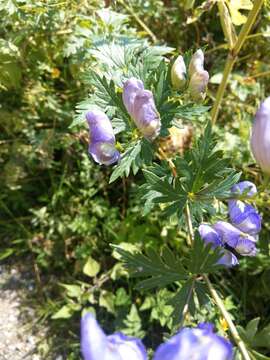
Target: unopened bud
<point>198,83</point>
<point>178,73</point>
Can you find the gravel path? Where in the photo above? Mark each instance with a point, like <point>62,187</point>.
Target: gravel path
<point>17,342</point>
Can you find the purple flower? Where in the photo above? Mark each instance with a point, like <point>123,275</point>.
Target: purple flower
<point>102,139</point>
<point>141,107</point>
<point>211,236</point>
<point>243,243</point>
<point>241,187</point>
<point>95,345</point>
<point>245,217</point>
<point>260,137</point>
<point>178,73</point>
<point>199,343</point>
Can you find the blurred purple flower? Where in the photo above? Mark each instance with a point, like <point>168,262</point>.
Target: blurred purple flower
<point>260,137</point>
<point>95,345</point>
<point>245,217</point>
<point>102,139</point>
<point>141,107</point>
<point>211,236</point>
<point>242,186</point>
<point>199,343</point>
<point>243,243</point>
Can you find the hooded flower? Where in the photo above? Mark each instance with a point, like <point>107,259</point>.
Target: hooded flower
<point>198,76</point>
<point>199,343</point>
<point>243,186</point>
<point>102,139</point>
<point>245,217</point>
<point>178,73</point>
<point>95,345</point>
<point>211,236</point>
<point>141,107</point>
<point>260,137</point>
<point>243,243</point>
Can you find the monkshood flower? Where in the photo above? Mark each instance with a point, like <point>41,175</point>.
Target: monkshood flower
<point>210,236</point>
<point>198,76</point>
<point>141,107</point>
<point>178,73</point>
<point>243,243</point>
<point>243,186</point>
<point>260,137</point>
<point>102,139</point>
<point>199,343</point>
<point>95,345</point>
<point>245,217</point>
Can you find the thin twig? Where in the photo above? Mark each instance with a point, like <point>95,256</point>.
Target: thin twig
<point>139,21</point>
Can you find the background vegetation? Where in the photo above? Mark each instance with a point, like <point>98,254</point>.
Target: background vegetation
<point>59,213</point>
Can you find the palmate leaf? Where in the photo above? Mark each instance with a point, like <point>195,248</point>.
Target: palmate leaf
<point>161,189</point>
<point>161,270</point>
<point>133,159</point>
<point>202,258</point>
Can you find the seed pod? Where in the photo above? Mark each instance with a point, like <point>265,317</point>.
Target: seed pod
<point>260,138</point>
<point>178,73</point>
<point>102,139</point>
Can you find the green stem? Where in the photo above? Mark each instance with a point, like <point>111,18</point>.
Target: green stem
<point>218,300</point>
<point>233,55</point>
<point>239,342</point>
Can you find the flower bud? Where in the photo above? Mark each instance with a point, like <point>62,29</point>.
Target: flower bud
<point>260,137</point>
<point>102,139</point>
<point>196,63</point>
<point>178,73</point>
<point>245,217</point>
<point>199,343</point>
<point>95,345</point>
<point>243,186</point>
<point>243,243</point>
<point>141,107</point>
<point>198,83</point>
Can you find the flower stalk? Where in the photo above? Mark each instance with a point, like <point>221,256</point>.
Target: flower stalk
<point>239,342</point>
<point>232,56</point>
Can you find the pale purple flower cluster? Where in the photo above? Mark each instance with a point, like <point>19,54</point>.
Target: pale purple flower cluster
<point>241,234</point>
<point>199,343</point>
<point>141,107</point>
